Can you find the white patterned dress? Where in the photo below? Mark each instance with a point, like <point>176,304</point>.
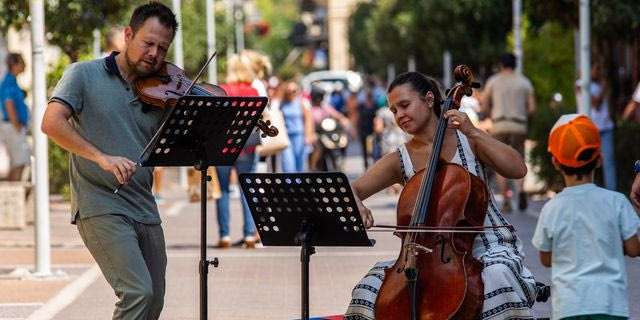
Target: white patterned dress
<point>509,287</point>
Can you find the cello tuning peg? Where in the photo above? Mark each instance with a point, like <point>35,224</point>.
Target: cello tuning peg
<point>475,85</point>
<point>263,135</point>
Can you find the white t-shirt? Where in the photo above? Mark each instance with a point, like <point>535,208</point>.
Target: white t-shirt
<point>600,116</point>
<point>260,87</point>
<point>583,227</point>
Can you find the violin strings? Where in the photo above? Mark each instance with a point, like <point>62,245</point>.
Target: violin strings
<point>196,89</point>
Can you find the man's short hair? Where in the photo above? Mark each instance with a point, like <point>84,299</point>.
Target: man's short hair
<point>13,59</point>
<point>153,9</point>
<point>508,60</point>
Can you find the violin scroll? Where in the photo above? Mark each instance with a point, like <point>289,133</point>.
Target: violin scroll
<point>266,128</point>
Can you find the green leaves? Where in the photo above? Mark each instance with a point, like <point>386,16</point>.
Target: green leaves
<point>69,23</point>
<point>388,31</point>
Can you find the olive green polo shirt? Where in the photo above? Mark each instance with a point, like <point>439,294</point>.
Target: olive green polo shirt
<point>107,113</point>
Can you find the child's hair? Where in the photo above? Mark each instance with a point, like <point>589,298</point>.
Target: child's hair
<point>421,84</point>
<point>585,169</point>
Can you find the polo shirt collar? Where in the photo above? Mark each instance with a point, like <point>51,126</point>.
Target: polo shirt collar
<point>110,63</point>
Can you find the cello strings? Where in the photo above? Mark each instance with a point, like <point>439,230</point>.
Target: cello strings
<point>431,231</point>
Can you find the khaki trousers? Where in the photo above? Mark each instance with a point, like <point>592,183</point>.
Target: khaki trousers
<point>132,258</point>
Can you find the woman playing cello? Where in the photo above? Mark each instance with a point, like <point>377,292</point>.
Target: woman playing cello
<point>415,100</point>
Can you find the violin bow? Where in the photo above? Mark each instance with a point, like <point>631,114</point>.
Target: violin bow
<point>193,82</point>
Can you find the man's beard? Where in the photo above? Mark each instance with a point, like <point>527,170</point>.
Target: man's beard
<point>137,70</point>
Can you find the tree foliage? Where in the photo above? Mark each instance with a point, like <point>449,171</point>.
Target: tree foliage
<point>280,16</point>
<point>69,23</point>
<point>388,31</point>
<point>194,35</point>
<point>609,19</point>
<point>611,22</point>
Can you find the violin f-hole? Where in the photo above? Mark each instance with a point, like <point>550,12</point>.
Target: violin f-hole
<point>440,241</point>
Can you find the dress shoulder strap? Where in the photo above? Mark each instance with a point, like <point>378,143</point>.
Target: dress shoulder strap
<point>405,163</point>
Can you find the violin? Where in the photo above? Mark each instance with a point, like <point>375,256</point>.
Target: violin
<point>165,87</point>
<point>435,275</point>
<point>170,83</point>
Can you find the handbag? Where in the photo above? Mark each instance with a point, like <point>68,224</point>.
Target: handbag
<point>273,145</point>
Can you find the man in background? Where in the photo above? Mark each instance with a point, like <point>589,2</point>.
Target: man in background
<point>15,117</point>
<point>509,101</point>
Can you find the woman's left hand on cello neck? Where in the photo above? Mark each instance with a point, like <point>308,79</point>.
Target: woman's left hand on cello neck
<point>505,160</point>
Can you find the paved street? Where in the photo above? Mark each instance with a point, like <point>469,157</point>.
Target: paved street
<point>249,284</point>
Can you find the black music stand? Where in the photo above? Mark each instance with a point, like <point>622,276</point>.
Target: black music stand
<point>306,210</point>
<point>203,131</point>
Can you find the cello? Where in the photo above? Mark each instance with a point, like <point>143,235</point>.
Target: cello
<point>435,275</point>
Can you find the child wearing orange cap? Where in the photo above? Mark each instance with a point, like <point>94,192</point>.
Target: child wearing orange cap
<point>584,232</point>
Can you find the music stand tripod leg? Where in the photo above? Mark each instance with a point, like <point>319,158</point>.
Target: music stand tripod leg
<point>306,250</point>
<point>204,263</point>
<point>306,210</point>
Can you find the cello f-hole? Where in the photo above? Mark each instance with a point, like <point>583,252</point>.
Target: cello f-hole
<point>440,241</point>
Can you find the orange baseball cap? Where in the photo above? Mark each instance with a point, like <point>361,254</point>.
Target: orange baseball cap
<point>570,135</point>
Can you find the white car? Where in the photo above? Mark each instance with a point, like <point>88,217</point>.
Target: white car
<point>331,80</point>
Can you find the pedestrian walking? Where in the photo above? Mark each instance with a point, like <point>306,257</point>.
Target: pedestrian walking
<point>15,118</point>
<point>366,113</point>
<point>297,119</point>
<point>94,114</point>
<point>238,83</point>
<point>584,232</point>
<point>508,99</point>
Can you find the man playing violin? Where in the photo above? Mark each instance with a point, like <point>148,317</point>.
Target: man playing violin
<point>95,115</point>
<point>415,101</point>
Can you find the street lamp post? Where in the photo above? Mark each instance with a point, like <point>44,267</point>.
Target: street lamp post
<point>229,19</point>
<point>239,17</point>
<point>517,41</point>
<point>42,232</point>
<point>178,59</point>
<point>211,39</point>
<point>585,58</point>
